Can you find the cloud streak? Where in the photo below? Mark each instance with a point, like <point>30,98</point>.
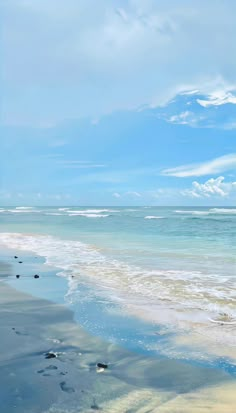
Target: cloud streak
<point>75,164</point>
<point>215,166</point>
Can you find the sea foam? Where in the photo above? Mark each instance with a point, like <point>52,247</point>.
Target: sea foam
<point>175,296</point>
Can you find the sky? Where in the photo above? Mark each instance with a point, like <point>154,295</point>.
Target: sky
<point>118,102</point>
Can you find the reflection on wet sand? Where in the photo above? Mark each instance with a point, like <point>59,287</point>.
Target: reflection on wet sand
<point>70,382</point>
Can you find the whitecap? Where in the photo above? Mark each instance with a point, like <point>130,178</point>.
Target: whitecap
<point>54,213</point>
<point>90,211</point>
<point>176,297</point>
<point>23,211</point>
<point>191,212</point>
<point>22,207</point>
<point>153,217</point>
<point>88,215</point>
<point>223,211</point>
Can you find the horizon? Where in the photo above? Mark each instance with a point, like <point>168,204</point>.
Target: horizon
<point>118,206</point>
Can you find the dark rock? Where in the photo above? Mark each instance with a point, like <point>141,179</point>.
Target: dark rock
<point>102,366</point>
<point>15,257</point>
<point>50,355</point>
<point>20,262</point>
<point>36,276</point>
<point>17,276</point>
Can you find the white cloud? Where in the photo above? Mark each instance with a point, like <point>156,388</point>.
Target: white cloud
<point>186,118</point>
<point>215,166</point>
<point>213,187</point>
<point>133,193</point>
<point>182,118</point>
<point>116,195</point>
<point>84,58</point>
<point>229,126</point>
<point>218,98</point>
<point>5,195</point>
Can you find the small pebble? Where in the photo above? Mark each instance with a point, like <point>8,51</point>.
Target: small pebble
<point>20,262</point>
<point>50,355</point>
<point>17,276</point>
<point>36,276</point>
<point>102,365</point>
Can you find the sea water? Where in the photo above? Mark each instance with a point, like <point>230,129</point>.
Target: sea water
<point>156,279</point>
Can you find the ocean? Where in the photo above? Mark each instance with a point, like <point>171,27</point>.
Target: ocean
<point>157,280</point>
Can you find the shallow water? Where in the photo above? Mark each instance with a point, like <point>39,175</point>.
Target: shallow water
<point>139,379</point>
<point>130,289</point>
<point>169,267</point>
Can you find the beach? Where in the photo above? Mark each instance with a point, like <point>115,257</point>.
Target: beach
<point>73,340</point>
<point>71,382</point>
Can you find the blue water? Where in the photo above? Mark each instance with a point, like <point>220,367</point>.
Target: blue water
<point>149,273</point>
<point>91,313</point>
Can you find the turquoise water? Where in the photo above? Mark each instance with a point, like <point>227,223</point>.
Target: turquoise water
<point>172,268</point>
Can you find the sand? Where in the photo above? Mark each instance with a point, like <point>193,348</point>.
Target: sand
<point>70,383</point>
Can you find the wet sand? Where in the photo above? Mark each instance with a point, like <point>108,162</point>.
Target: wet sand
<point>71,383</point>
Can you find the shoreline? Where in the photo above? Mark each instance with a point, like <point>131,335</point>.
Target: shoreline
<point>198,340</point>
<point>31,327</point>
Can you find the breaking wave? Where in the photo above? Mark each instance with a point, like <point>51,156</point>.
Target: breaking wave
<point>173,297</point>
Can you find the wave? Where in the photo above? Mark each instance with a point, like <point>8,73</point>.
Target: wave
<point>223,211</point>
<point>88,215</point>
<point>191,212</point>
<point>211,211</point>
<point>54,213</point>
<point>173,296</point>
<point>90,211</point>
<point>153,217</point>
<point>23,211</point>
<point>22,207</point>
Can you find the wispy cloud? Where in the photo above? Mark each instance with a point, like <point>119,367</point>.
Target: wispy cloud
<point>116,195</point>
<point>93,42</point>
<point>186,118</point>
<point>5,195</point>
<point>215,166</point>
<point>133,194</point>
<point>75,164</point>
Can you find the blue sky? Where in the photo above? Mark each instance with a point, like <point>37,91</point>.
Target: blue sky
<point>129,102</point>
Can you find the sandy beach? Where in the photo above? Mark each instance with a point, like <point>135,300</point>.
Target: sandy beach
<point>31,328</point>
